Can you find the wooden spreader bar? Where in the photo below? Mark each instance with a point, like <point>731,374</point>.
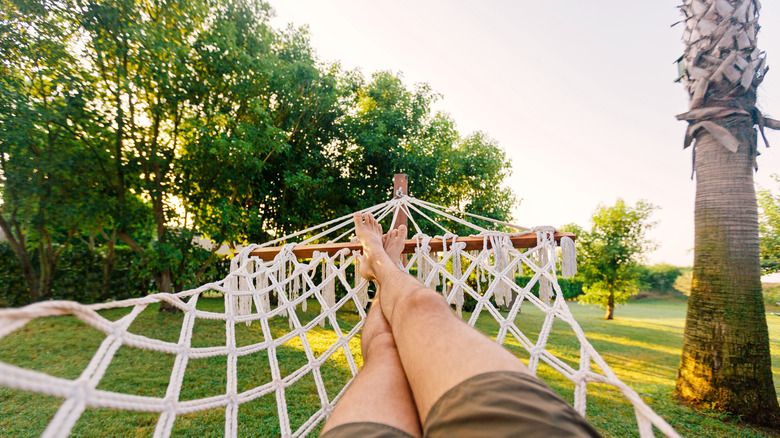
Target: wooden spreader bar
<point>472,243</point>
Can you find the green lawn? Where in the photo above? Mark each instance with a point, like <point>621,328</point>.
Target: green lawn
<point>642,345</point>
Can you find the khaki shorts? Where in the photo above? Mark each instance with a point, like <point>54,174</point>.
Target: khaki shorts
<point>497,404</point>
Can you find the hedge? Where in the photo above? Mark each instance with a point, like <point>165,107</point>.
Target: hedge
<point>79,276</point>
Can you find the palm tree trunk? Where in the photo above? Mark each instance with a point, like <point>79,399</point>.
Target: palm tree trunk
<point>725,359</point>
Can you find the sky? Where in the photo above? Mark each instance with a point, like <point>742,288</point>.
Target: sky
<point>580,95</point>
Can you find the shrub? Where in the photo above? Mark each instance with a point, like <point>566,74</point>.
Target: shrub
<point>79,275</point>
<point>12,285</point>
<point>658,278</point>
<point>684,282</point>
<point>571,288</point>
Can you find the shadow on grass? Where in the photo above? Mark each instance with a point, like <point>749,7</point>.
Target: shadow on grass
<point>644,354</point>
<point>642,347</point>
<point>63,347</point>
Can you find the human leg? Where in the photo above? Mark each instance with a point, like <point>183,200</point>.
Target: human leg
<point>380,392</point>
<point>437,349</point>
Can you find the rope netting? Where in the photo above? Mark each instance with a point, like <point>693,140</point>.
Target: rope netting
<point>322,301</point>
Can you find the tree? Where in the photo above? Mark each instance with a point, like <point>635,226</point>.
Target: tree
<point>254,129</point>
<point>725,357</point>
<point>49,189</point>
<point>142,67</point>
<point>611,252</point>
<point>386,127</point>
<point>392,130</point>
<point>769,230</point>
<point>149,124</point>
<point>104,87</point>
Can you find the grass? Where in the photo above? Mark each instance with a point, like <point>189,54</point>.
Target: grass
<point>62,346</point>
<point>642,345</point>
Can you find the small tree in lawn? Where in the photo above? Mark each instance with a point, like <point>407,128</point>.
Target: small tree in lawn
<point>611,252</point>
<point>769,229</point>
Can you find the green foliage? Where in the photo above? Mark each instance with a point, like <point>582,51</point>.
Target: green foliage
<point>769,229</point>
<point>684,282</point>
<point>607,296</point>
<point>394,131</point>
<point>571,287</point>
<point>46,173</point>
<point>191,264</point>
<point>12,287</point>
<point>146,124</point>
<point>255,161</point>
<point>658,278</point>
<point>79,276</point>
<point>610,254</point>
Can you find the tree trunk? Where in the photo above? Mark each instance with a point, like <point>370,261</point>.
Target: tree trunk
<point>48,258</point>
<point>610,305</point>
<point>108,267</point>
<point>20,250</point>
<point>205,265</point>
<point>30,277</point>
<point>45,272</point>
<point>166,285</point>
<point>725,360</point>
<point>18,245</point>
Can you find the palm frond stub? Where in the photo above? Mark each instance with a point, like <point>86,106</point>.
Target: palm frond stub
<point>722,67</point>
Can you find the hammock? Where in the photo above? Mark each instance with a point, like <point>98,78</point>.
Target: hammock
<point>479,270</point>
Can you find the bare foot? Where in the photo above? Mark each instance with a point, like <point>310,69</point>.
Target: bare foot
<point>393,242</point>
<point>368,230</point>
<point>377,265</point>
<point>376,326</point>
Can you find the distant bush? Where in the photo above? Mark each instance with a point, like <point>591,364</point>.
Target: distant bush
<point>684,282</point>
<point>571,288</point>
<point>658,278</point>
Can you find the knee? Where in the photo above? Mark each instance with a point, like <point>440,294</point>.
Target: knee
<point>423,303</point>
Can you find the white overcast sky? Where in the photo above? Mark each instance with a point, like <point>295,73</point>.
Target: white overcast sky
<point>579,93</point>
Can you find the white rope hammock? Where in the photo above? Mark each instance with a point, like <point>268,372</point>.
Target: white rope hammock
<point>482,275</point>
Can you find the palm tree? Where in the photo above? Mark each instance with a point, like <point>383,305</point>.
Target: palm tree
<point>725,359</point>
